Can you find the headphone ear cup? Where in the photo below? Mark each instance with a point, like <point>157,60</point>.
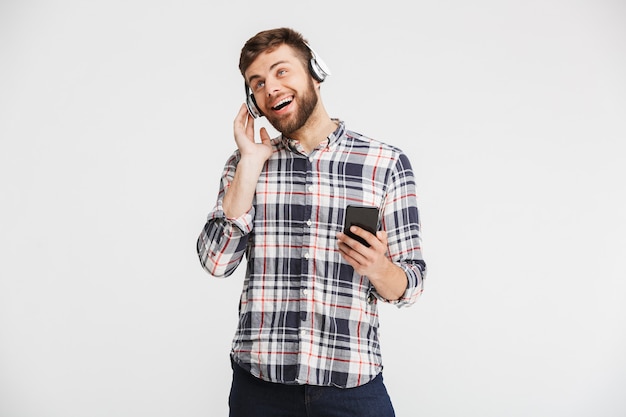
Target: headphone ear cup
<point>252,107</point>
<point>319,69</point>
<point>316,71</point>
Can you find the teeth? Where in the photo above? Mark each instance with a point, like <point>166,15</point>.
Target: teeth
<point>282,103</point>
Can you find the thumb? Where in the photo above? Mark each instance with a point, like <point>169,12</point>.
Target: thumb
<point>265,137</point>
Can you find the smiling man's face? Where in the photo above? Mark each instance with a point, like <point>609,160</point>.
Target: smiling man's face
<point>283,88</point>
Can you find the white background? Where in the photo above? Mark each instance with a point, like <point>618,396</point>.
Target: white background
<point>116,119</point>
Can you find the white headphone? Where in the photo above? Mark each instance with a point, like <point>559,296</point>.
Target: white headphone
<point>318,69</point>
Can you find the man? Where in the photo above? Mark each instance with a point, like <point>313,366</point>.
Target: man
<point>306,342</point>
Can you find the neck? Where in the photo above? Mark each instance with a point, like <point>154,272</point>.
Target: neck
<point>316,129</point>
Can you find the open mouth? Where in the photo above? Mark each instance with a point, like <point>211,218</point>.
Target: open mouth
<point>282,104</point>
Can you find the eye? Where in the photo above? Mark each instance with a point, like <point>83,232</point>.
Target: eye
<point>258,85</point>
<point>281,72</point>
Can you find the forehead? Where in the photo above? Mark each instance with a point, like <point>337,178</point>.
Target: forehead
<point>268,59</point>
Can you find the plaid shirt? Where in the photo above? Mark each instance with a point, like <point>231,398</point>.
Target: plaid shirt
<point>305,315</point>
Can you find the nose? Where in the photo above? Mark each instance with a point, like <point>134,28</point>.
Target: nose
<point>272,86</point>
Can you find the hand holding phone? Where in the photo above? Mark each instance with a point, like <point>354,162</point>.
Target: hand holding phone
<point>366,217</point>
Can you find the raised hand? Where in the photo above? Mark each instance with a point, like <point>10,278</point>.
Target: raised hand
<point>243,128</point>
<point>238,198</point>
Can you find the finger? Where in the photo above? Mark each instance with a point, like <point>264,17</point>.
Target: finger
<point>382,237</point>
<point>240,119</point>
<point>365,235</point>
<point>265,137</point>
<point>355,249</point>
<point>348,241</point>
<point>353,256</point>
<point>243,111</point>
<point>250,126</point>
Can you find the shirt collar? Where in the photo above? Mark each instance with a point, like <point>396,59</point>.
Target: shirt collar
<point>331,140</point>
<point>334,137</point>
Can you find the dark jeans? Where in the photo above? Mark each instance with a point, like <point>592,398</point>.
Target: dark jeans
<point>253,397</point>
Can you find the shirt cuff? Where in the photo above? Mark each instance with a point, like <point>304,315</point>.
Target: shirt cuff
<point>244,222</point>
<point>413,290</point>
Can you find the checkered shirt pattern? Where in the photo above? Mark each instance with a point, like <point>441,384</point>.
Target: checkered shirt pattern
<point>305,315</point>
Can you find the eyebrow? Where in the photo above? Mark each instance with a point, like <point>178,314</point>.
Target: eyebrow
<point>254,77</point>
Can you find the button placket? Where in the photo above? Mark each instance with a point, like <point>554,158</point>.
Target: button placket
<point>307,252</point>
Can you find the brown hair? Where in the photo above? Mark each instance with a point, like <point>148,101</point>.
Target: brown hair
<point>269,40</point>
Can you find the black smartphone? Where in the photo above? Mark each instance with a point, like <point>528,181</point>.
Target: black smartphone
<point>366,217</point>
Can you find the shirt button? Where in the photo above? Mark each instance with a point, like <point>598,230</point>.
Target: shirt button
<point>303,333</point>
<point>306,255</point>
<point>310,188</point>
<point>310,159</point>
<point>309,222</point>
<point>304,292</point>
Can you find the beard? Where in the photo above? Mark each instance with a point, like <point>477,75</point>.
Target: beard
<point>289,124</point>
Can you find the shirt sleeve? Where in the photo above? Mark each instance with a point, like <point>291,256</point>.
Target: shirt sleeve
<point>401,221</point>
<point>223,241</point>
